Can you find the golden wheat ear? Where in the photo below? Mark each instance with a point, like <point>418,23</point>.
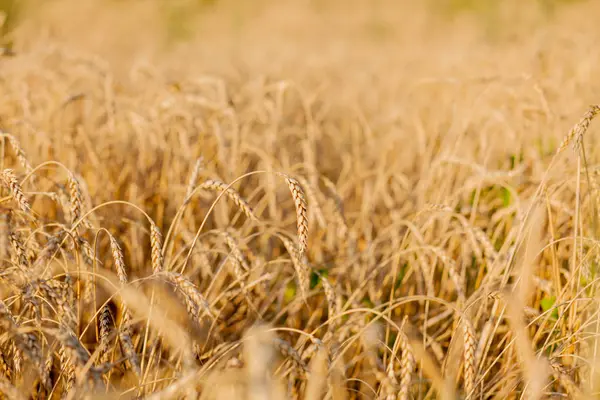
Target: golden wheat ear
<point>9,181</point>
<point>218,186</point>
<point>301,212</point>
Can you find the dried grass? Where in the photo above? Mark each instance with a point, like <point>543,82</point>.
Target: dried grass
<point>433,208</point>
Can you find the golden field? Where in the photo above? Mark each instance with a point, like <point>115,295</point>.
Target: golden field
<point>299,199</point>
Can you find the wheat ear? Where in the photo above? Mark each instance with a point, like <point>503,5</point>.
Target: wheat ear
<point>302,269</point>
<point>470,346</point>
<point>19,152</point>
<point>199,166</point>
<point>407,367</point>
<point>218,186</point>
<point>579,129</point>
<point>158,260</point>
<point>194,299</point>
<point>10,182</point>
<point>301,212</point>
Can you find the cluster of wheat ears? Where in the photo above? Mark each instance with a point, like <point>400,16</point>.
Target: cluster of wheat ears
<point>242,236</point>
<point>79,317</point>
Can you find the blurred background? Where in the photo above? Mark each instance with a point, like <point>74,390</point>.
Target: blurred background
<point>310,31</point>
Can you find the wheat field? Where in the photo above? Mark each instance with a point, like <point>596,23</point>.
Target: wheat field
<point>299,199</point>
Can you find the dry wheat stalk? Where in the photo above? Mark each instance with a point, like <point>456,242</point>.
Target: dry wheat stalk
<point>125,333</point>
<point>301,213</point>
<point>218,186</point>
<point>10,182</point>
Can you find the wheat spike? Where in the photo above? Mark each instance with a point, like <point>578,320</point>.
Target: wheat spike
<point>407,366</point>
<point>565,380</point>
<point>194,299</point>
<point>218,186</point>
<point>302,269</point>
<point>117,254</point>
<point>10,182</point>
<point>198,167</point>
<point>470,346</point>
<point>579,130</point>
<point>301,213</point>
<point>240,265</point>
<point>333,304</point>
<point>129,351</point>
<point>75,200</point>
<point>156,245</point>
<point>287,350</point>
<point>105,326</point>
<point>19,152</point>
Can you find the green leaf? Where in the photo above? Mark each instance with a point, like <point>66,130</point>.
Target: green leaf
<point>315,277</point>
<point>400,276</point>
<point>547,304</point>
<point>290,292</point>
<point>506,198</point>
